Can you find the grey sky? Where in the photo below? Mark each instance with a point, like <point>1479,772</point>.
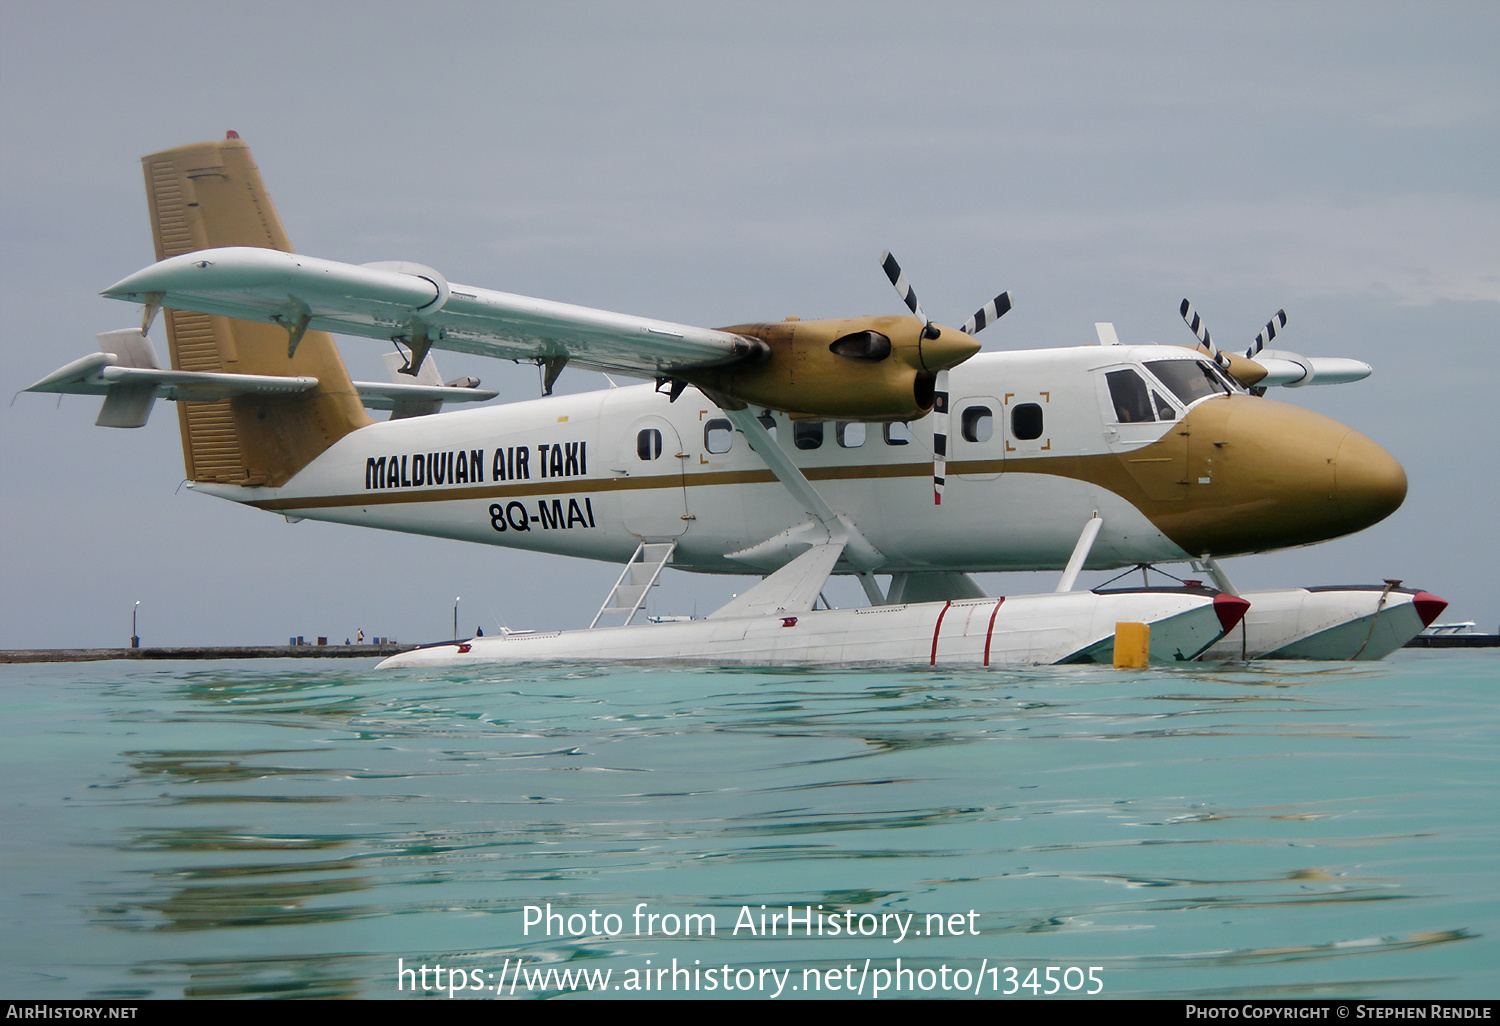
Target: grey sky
<point>717,163</point>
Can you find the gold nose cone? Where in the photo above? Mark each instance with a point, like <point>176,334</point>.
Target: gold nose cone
<point>1263,475</point>
<point>1369,485</point>
<point>951,348</point>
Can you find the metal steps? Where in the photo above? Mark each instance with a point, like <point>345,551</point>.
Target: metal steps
<point>640,573</point>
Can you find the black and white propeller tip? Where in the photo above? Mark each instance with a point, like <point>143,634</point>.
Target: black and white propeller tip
<point>1274,325</point>
<point>941,414</point>
<point>907,293</point>
<point>1199,329</point>
<point>987,314</point>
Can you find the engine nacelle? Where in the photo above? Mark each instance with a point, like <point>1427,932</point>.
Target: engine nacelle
<point>854,368</point>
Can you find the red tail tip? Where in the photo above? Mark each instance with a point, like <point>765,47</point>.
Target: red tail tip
<point>231,134</point>
<point>1428,606</point>
<point>1231,609</point>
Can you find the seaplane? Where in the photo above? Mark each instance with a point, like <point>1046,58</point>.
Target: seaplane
<point>790,450</point>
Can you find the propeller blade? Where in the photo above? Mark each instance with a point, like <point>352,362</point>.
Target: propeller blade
<point>1268,333</point>
<point>941,423</point>
<point>908,295</point>
<point>1198,328</point>
<point>987,314</point>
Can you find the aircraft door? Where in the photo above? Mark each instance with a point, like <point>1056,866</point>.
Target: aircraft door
<point>1140,427</point>
<point>649,473</point>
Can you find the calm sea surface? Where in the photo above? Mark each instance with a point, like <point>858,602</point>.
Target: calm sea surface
<point>295,827</point>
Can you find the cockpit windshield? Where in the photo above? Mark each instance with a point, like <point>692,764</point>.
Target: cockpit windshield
<point>1190,380</point>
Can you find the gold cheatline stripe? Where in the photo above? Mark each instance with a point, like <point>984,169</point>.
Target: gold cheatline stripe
<point>570,486</point>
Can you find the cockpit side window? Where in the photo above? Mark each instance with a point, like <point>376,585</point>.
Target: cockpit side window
<point>1128,392</point>
<point>1189,380</point>
<point>1164,409</point>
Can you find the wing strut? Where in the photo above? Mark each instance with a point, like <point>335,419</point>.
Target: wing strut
<point>857,550</point>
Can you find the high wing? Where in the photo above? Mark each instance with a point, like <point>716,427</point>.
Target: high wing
<point>417,306</point>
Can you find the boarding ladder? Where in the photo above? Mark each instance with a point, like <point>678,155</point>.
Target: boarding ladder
<point>639,575</point>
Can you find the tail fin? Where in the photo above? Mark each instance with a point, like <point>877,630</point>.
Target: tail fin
<point>209,195</point>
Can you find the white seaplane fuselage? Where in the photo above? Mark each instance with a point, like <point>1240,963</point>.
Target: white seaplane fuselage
<point>1038,448</point>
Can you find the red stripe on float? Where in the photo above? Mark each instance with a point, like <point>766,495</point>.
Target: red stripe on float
<point>937,627</point>
<point>989,633</point>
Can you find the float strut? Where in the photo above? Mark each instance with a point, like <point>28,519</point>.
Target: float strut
<point>1080,552</point>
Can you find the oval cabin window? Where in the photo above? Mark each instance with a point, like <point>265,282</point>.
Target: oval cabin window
<point>718,436</point>
<point>648,444</point>
<point>978,424</point>
<point>1026,421</point>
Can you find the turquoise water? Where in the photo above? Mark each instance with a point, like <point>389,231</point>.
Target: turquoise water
<point>296,827</point>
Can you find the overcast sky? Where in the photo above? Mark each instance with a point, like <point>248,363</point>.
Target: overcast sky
<point>722,163</point>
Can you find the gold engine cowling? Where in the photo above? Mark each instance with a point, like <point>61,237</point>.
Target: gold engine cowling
<point>854,368</point>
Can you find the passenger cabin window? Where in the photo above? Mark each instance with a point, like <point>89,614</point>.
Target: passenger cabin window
<point>718,436</point>
<point>1189,380</point>
<point>1128,391</point>
<point>850,433</point>
<point>1026,421</point>
<point>978,424</point>
<point>808,434</point>
<point>896,434</point>
<point>769,423</point>
<point>648,444</point>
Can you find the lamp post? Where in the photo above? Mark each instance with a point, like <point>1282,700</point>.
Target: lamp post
<point>455,617</point>
<point>135,639</point>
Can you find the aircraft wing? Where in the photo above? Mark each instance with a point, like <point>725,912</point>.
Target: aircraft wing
<point>417,306</point>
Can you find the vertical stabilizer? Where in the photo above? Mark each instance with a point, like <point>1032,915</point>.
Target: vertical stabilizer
<point>209,195</point>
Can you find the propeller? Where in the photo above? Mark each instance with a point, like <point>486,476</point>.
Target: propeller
<point>1274,325</point>
<point>907,293</point>
<point>942,421</point>
<point>1261,367</point>
<point>1197,327</point>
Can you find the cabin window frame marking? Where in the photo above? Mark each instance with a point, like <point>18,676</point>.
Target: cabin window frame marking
<point>1022,428</point>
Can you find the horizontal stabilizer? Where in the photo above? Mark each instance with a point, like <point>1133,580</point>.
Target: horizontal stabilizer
<point>407,396</point>
<point>131,381</point>
<point>127,374</point>
<point>97,374</point>
<point>379,395</point>
<point>792,589</point>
